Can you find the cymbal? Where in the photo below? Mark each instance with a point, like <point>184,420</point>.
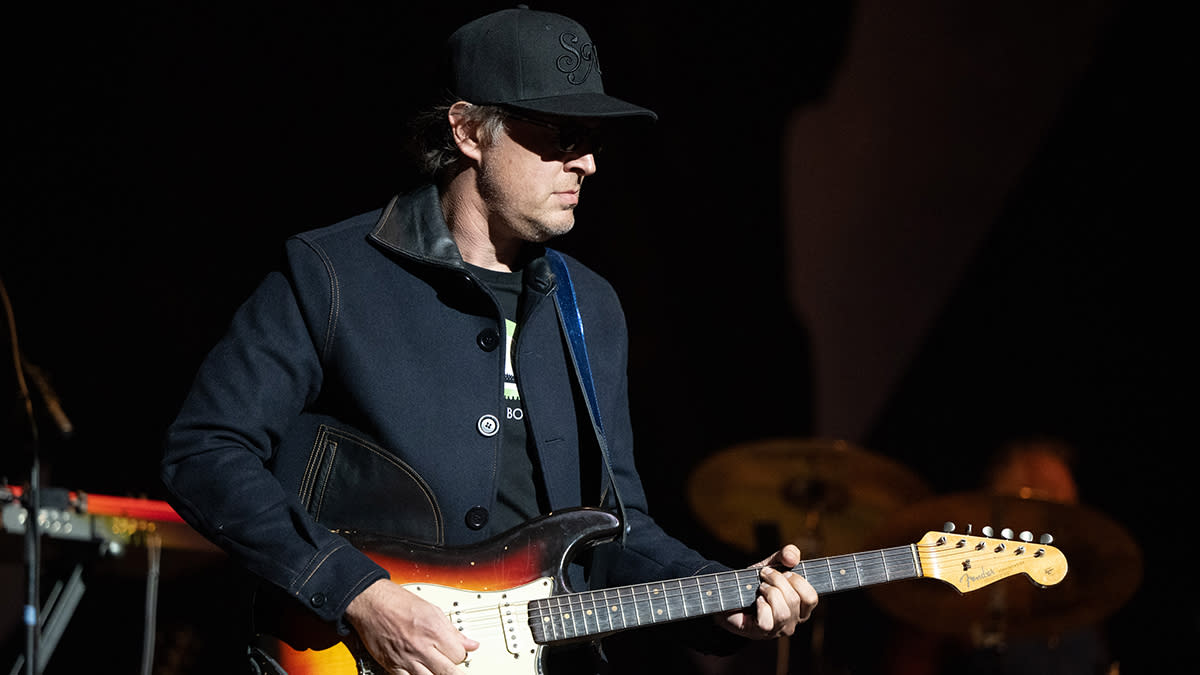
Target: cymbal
<point>822,495</point>
<point>1104,562</point>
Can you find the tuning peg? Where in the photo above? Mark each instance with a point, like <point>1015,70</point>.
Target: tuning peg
<point>1046,539</point>
<point>968,528</point>
<point>1007,533</point>
<point>987,530</point>
<point>948,527</point>
<point>1026,536</point>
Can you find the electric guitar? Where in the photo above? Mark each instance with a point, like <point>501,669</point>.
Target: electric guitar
<point>508,592</point>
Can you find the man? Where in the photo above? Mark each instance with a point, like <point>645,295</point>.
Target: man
<point>407,371</point>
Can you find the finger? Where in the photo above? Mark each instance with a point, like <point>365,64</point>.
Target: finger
<point>781,590</point>
<point>808,596</point>
<point>789,556</point>
<point>780,609</point>
<point>447,658</point>
<point>764,616</point>
<point>794,603</point>
<point>446,668</point>
<point>458,652</point>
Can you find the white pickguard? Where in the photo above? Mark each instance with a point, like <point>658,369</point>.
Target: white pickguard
<point>498,620</point>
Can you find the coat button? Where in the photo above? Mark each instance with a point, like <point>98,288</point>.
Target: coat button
<point>317,600</point>
<point>488,339</point>
<point>488,425</point>
<point>477,517</point>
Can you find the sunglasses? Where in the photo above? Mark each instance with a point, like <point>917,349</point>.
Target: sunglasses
<point>569,138</point>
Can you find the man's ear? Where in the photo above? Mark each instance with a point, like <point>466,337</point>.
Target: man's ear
<point>466,133</point>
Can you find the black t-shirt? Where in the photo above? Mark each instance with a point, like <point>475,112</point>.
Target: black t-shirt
<point>520,495</point>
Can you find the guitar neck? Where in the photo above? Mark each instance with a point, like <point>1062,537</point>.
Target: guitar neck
<point>574,616</point>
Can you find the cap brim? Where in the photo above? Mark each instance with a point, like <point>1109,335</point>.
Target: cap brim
<point>583,105</point>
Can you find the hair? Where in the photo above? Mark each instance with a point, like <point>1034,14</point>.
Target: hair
<point>436,152</point>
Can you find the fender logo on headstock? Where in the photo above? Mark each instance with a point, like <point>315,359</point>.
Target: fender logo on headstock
<point>966,580</point>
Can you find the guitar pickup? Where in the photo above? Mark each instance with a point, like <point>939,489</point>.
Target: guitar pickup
<point>516,635</point>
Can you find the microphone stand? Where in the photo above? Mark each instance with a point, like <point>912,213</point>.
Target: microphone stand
<point>38,645</point>
<point>30,498</point>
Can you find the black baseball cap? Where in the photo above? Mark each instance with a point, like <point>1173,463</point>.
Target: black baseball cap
<point>533,61</point>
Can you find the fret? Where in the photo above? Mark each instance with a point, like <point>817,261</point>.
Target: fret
<point>578,618</point>
<point>645,602</point>
<point>699,595</point>
<point>819,584</point>
<point>710,589</point>
<point>904,562</point>
<point>619,604</point>
<point>857,567</point>
<point>876,568</point>
<point>839,568</point>
<point>633,602</point>
<point>554,612</point>
<point>677,602</point>
<point>746,587</point>
<point>548,616</point>
<point>567,616</point>
<point>589,611</point>
<point>548,619</point>
<point>604,614</point>
<point>657,600</point>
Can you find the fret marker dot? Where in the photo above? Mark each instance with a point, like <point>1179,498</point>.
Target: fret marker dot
<point>545,619</point>
<point>614,608</point>
<point>566,616</point>
<point>589,612</point>
<point>660,612</point>
<point>708,593</point>
<point>656,591</point>
<point>842,572</point>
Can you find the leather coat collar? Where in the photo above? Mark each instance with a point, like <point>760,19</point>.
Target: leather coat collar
<point>412,225</point>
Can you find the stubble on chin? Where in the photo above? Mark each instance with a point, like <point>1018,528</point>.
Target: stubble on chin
<point>539,231</point>
<point>533,227</point>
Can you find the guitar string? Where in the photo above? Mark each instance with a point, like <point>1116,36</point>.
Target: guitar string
<point>644,594</point>
<point>693,588</point>
<point>871,566</point>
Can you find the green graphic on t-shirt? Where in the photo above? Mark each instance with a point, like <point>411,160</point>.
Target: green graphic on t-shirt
<point>510,379</point>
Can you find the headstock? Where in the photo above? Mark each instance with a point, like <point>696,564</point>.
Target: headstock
<point>969,562</point>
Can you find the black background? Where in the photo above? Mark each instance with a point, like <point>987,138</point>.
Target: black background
<point>157,153</point>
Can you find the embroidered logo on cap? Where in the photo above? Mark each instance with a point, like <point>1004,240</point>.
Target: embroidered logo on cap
<point>585,57</point>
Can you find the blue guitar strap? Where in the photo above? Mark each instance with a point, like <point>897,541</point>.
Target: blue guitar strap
<point>572,324</point>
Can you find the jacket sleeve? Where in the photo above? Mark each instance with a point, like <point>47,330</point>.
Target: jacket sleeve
<point>218,450</point>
